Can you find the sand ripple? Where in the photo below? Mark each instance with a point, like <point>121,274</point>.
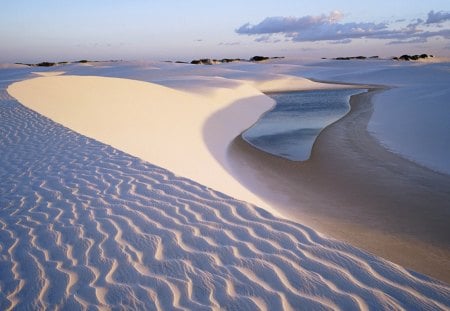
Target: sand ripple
<point>85,226</point>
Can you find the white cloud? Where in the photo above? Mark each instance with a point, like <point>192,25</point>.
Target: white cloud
<point>272,25</point>
<point>330,28</point>
<point>266,38</point>
<point>415,40</point>
<point>230,43</point>
<point>438,17</point>
<point>344,41</point>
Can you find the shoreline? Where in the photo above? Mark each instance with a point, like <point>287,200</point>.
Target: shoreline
<point>355,190</point>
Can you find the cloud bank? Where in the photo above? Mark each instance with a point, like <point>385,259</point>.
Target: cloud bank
<point>331,28</point>
<point>438,17</point>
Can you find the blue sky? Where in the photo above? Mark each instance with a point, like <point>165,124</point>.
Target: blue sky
<point>37,30</point>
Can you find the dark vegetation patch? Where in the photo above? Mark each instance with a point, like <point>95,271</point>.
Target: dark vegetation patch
<point>209,61</point>
<point>407,57</point>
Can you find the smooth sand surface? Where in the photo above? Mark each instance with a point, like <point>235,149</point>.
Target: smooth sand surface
<point>355,190</point>
<point>152,122</point>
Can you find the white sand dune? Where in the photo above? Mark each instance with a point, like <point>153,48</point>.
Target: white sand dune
<point>158,124</point>
<point>84,225</point>
<point>161,125</point>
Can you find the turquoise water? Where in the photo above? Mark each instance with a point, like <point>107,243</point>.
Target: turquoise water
<point>290,129</point>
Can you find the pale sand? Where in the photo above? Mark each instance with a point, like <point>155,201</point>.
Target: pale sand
<point>161,125</point>
<point>48,73</point>
<point>92,226</point>
<point>85,226</point>
<point>355,190</point>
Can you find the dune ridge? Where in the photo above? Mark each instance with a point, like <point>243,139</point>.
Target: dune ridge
<point>150,121</point>
<point>160,124</point>
<point>85,225</point>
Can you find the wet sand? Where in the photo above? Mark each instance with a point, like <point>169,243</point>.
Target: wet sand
<point>355,190</point>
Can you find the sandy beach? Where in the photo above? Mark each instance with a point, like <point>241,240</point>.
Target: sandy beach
<point>128,185</point>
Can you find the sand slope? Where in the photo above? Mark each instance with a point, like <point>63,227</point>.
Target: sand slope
<point>155,123</point>
<point>164,126</point>
<point>83,225</point>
